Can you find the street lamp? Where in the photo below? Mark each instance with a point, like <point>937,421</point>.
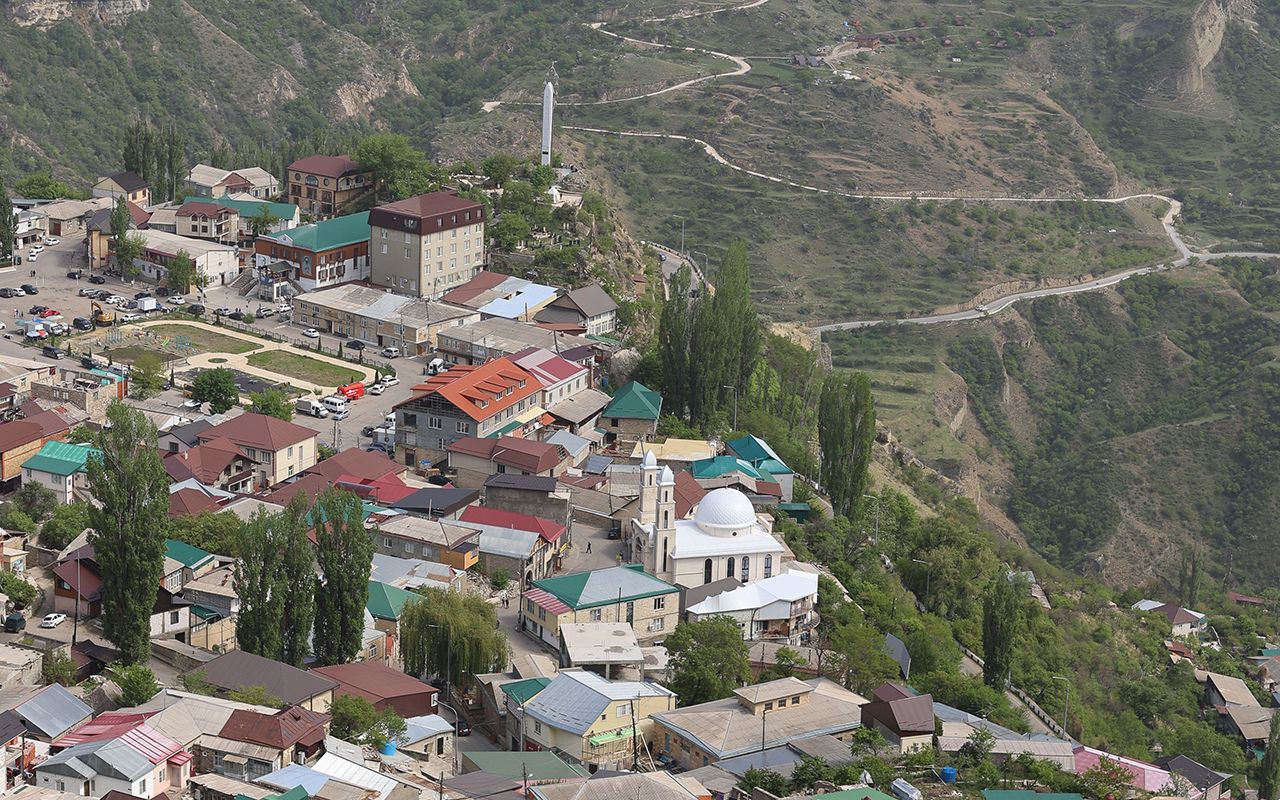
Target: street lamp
<point>705,262</point>
<point>928,577</point>
<point>1066,704</point>
<point>734,389</point>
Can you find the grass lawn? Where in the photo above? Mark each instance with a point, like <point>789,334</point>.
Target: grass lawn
<point>205,341</point>
<point>131,353</point>
<point>304,368</point>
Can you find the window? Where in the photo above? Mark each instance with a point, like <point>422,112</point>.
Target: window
<point>795,701</point>
<point>406,252</point>
<point>440,745</point>
<point>384,248</point>
<point>706,571</point>
<point>659,603</point>
<point>768,565</point>
<point>386,541</point>
<point>537,726</point>
<point>462,427</point>
<point>731,571</point>
<point>542,614</point>
<point>746,569</point>
<point>435,423</point>
<point>407,239</point>
<point>768,706</point>
<point>782,703</point>
<point>290,452</point>
<point>596,615</point>
<point>408,547</point>
<point>384,233</point>
<point>624,710</point>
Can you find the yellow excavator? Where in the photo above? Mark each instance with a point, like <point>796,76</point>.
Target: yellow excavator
<point>101,316</point>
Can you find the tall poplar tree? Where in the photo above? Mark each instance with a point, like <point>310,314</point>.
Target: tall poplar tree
<point>297,583</point>
<point>7,228</point>
<point>344,550</point>
<point>674,328</point>
<point>1269,772</point>
<point>128,527</point>
<point>257,573</point>
<point>846,433</point>
<point>1000,617</point>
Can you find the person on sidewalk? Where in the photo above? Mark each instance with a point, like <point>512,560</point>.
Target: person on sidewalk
<point>588,545</point>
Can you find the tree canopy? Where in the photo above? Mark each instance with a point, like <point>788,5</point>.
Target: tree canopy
<point>708,660</point>
<point>344,552</point>
<point>451,635</point>
<point>217,387</point>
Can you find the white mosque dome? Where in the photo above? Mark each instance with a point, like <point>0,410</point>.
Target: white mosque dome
<point>725,511</point>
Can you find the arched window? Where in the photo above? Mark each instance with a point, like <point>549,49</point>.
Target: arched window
<point>666,518</point>
<point>706,571</point>
<point>746,569</point>
<point>768,565</point>
<point>664,554</point>
<point>729,572</point>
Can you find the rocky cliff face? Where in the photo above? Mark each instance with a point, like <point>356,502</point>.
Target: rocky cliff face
<point>1204,39</point>
<point>28,13</point>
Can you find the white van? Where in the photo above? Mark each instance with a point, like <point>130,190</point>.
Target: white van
<point>337,405</point>
<point>311,407</point>
<point>391,352</point>
<point>435,366</point>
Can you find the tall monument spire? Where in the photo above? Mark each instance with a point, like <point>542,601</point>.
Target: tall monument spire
<point>548,111</point>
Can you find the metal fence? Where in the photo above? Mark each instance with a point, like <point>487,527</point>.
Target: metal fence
<point>314,345</point>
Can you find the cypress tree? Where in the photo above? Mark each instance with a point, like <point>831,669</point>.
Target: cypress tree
<point>999,629</point>
<point>846,432</point>
<point>6,227</point>
<point>345,553</point>
<point>673,342</point>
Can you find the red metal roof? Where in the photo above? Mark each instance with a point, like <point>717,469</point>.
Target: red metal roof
<point>483,515</point>
<point>525,454</point>
<point>84,579</point>
<point>281,730</point>
<point>110,725</point>
<point>482,282</point>
<point>373,681</point>
<point>544,599</point>
<point>429,205</point>
<point>688,493</point>
<point>152,744</point>
<point>330,166</point>
<point>188,502</point>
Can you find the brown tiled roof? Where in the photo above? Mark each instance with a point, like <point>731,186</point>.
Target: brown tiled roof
<point>205,462</point>
<point>524,454</point>
<point>311,485</point>
<point>32,429</point>
<point>329,166</point>
<point>373,681</point>
<point>482,282</point>
<point>137,214</point>
<point>357,463</point>
<point>188,502</point>
<point>430,205</point>
<point>196,208</point>
<point>281,730</point>
<point>260,431</point>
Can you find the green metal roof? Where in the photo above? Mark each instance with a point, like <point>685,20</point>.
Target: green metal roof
<point>723,465</point>
<point>757,451</point>
<point>610,736</point>
<point>542,765</point>
<point>327,234</point>
<point>204,613</point>
<point>634,401</point>
<point>602,587</point>
<point>185,554</point>
<point>250,208</point>
<point>1266,651</point>
<point>505,429</point>
<point>61,458</point>
<point>794,507</point>
<point>386,601</point>
<point>523,691</point>
<point>296,793</point>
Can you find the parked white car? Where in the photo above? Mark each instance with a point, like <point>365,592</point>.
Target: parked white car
<point>132,317</point>
<point>311,333</point>
<point>388,380</point>
<point>53,620</point>
<point>284,308</point>
<point>377,388</point>
<point>52,241</point>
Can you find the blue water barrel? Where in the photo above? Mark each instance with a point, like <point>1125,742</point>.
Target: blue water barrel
<point>948,774</point>
<point>389,749</point>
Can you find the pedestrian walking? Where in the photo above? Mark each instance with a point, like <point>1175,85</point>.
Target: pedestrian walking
<point>588,545</point>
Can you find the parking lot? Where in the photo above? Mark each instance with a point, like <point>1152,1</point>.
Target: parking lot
<point>61,293</point>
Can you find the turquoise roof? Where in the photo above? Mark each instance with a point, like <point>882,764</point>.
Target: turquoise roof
<point>61,458</point>
<point>386,601</point>
<point>723,465</point>
<point>523,691</point>
<point>250,208</point>
<point>757,451</point>
<point>634,401</point>
<point>187,555</point>
<point>326,234</point>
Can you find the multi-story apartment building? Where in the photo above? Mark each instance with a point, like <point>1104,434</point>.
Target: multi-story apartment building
<point>201,220</point>
<point>323,185</point>
<point>426,245</point>
<point>484,401</point>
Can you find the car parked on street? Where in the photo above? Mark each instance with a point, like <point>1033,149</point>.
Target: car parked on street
<point>29,289</point>
<point>53,620</point>
<point>82,324</point>
<point>311,333</point>
<point>222,311</point>
<point>177,300</point>
<point>97,280</point>
<point>52,241</point>
<point>132,317</point>
<point>388,380</point>
<point>377,388</point>
<point>195,308</point>
<point>74,274</point>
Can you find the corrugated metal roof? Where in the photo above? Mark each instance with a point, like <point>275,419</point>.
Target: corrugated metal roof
<point>422,727</point>
<point>340,769</point>
<point>575,699</point>
<point>53,711</point>
<point>505,542</point>
<point>295,775</point>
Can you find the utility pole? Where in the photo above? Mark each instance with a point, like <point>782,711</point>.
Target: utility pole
<point>764,716</point>
<point>876,539</point>
<point>1066,704</point>
<point>928,578</point>
<point>635,743</point>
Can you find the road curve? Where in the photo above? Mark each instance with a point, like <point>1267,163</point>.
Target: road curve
<point>1167,222</point>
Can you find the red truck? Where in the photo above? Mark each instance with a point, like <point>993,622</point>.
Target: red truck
<point>352,391</point>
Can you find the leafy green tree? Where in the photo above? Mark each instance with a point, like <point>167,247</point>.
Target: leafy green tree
<point>197,682</point>
<point>137,683</point>
<point>674,333</point>
<point>389,156</point>
<point>127,252</point>
<point>256,573</point>
<point>1000,610</point>
<point>182,271</point>
<point>218,533</point>
<point>128,525</point>
<point>15,519</point>
<point>263,220</point>
<point>58,668</point>
<point>1269,771</point>
<point>68,521</point>
<point>708,660</point>
<point>767,779</point>
<point>866,741</point>
<point>344,551</point>
<point>19,592</point>
<point>509,231</point>
<point>846,433</point>
<point>784,664</point>
<point>450,634</point>
<point>146,377</point>
<point>881,771</point>
<point>541,177</point>
<point>121,220</point>
<point>296,582</point>
<point>356,720</point>
<point>217,387</point>
<point>499,167</point>
<point>41,185</point>
<point>36,501</point>
<point>8,229</point>
<point>1110,778</point>
<point>857,654</point>
<point>977,748</point>
<point>272,403</point>
<point>809,771</point>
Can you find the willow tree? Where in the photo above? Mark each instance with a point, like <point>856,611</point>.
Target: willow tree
<point>448,634</point>
<point>344,551</point>
<point>846,433</point>
<point>128,527</point>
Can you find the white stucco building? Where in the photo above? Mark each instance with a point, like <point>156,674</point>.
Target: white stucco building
<point>725,538</point>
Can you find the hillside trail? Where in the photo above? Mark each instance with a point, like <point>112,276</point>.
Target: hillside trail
<point>743,66</point>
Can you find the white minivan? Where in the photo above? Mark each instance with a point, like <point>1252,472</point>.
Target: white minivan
<point>337,405</point>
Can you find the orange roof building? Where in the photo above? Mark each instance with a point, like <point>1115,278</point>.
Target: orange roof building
<point>489,400</point>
